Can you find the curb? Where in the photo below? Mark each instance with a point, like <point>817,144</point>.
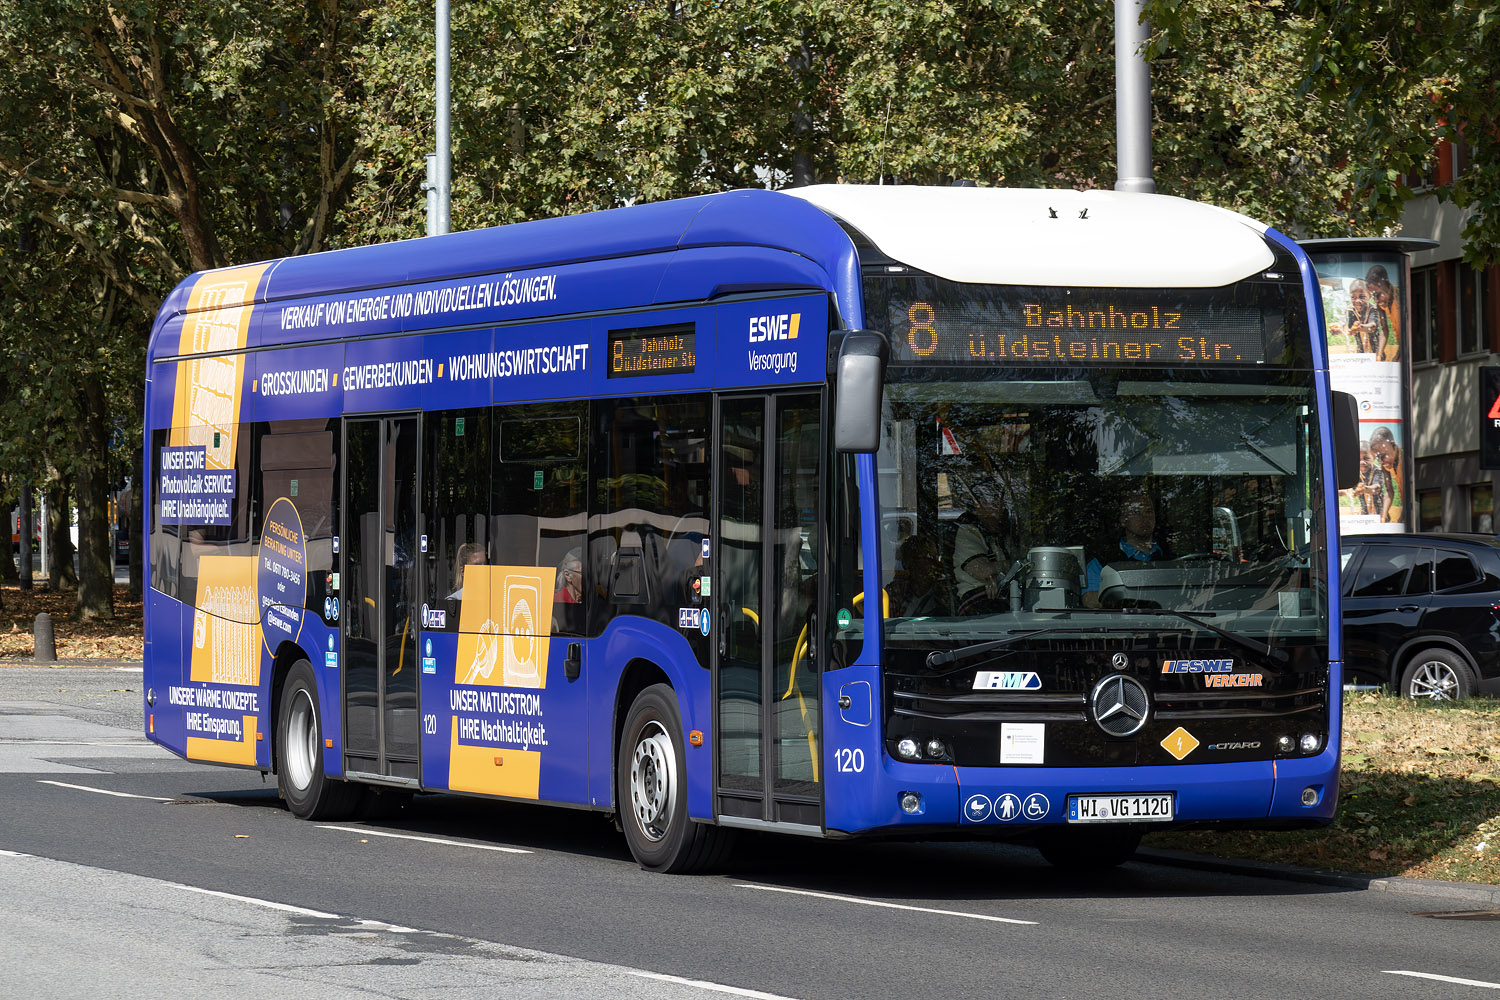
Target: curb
<point>1476,893</point>
<point>102,663</point>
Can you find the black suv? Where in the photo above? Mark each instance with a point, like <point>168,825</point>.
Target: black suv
<point>1422,613</point>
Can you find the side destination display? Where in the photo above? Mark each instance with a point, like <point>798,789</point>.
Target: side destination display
<point>652,350</point>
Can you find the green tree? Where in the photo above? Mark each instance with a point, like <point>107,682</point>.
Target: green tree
<point>138,144</point>
<point>1394,80</point>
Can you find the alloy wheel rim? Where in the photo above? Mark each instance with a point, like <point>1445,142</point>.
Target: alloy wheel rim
<point>1434,680</point>
<point>653,781</point>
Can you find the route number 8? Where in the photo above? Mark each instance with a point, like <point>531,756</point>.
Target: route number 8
<point>922,326</point>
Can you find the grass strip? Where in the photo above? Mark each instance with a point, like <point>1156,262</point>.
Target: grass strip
<point>1419,796</point>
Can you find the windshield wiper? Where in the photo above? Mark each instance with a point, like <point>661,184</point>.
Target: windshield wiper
<point>1254,645</point>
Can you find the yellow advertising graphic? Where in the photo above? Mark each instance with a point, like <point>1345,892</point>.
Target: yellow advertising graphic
<point>504,619</point>
<point>208,389</point>
<point>225,657</point>
<point>505,624</point>
<point>493,770</point>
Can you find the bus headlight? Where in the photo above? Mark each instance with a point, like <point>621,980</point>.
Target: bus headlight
<point>908,749</point>
<point>911,803</point>
<point>1285,744</point>
<point>936,749</point>
<point>1311,742</point>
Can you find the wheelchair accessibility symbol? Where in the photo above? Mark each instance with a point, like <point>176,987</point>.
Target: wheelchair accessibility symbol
<point>1035,806</point>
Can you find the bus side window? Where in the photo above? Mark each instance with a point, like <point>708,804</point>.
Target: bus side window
<point>538,503</point>
<point>298,460</point>
<point>207,541</point>
<point>166,547</point>
<point>456,507</point>
<point>651,510</point>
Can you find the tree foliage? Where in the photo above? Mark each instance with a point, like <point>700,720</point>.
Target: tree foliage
<point>141,142</point>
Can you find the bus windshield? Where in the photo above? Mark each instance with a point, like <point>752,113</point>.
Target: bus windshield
<point>1010,497</point>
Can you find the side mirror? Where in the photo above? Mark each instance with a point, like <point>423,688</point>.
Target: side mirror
<point>1345,419</point>
<point>856,391</point>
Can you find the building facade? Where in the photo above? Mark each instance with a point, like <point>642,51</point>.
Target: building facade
<point>1455,330</point>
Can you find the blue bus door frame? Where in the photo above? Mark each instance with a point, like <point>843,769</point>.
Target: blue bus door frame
<point>764,557</point>
<point>381,588</point>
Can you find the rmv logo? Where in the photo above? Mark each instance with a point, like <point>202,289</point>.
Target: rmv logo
<point>782,327</point>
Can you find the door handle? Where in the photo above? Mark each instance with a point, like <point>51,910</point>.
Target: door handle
<point>1407,609</point>
<point>573,662</point>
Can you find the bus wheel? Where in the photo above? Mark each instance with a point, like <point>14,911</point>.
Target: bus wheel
<point>1075,850</point>
<point>651,789</point>
<point>309,793</point>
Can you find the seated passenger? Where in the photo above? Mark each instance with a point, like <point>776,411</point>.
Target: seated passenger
<point>469,554</point>
<point>569,579</point>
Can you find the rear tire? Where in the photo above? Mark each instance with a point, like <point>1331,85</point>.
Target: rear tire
<point>309,793</point>
<point>651,791</point>
<point>1075,850</point>
<point>1437,674</point>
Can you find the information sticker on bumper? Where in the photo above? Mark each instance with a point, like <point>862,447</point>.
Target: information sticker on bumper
<point>1152,807</point>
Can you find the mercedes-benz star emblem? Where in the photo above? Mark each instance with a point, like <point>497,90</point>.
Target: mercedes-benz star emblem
<point>1120,705</point>
<point>1120,661</point>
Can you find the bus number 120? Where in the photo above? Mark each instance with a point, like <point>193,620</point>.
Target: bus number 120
<point>849,760</point>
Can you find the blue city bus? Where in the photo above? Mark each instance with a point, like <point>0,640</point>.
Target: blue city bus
<point>842,511</point>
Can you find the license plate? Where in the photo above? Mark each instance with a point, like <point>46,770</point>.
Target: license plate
<point>1152,807</point>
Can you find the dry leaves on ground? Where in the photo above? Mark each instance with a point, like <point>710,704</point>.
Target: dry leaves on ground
<point>118,638</point>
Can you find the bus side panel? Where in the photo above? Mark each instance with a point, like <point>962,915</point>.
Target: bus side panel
<point>631,638</point>
<point>475,300</point>
<point>704,273</point>
<point>163,672</point>
<point>512,741</point>
<point>612,376</point>
<point>767,342</point>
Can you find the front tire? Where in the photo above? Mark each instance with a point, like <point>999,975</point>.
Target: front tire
<point>651,791</point>
<point>1438,675</point>
<point>309,793</point>
<point>1076,850</point>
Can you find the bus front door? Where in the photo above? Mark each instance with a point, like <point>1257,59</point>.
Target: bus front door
<point>764,589</point>
<point>380,597</point>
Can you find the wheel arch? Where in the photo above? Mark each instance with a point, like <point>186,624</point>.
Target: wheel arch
<point>639,674</point>
<point>1412,647</point>
<point>287,654</point>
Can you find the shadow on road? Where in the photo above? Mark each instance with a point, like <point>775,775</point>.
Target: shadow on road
<point>953,871</point>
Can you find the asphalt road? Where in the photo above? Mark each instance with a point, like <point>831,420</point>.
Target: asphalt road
<point>193,879</point>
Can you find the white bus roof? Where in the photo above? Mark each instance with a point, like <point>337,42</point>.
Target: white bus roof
<point>1102,239</point>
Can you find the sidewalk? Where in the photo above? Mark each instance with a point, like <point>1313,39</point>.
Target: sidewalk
<point>101,662</point>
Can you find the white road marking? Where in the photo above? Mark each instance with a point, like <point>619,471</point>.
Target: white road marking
<point>13,854</point>
<point>1444,979</point>
<point>890,906</point>
<point>426,840</point>
<point>268,904</point>
<point>705,985</point>
<point>68,743</point>
<point>102,791</point>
